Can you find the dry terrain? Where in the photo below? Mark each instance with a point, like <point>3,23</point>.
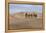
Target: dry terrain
<point>19,21</point>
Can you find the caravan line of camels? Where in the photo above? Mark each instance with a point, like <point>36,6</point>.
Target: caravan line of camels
<point>30,15</point>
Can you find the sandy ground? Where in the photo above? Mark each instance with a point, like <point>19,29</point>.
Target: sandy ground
<point>21,22</point>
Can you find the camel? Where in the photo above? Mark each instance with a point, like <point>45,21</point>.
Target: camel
<point>30,15</point>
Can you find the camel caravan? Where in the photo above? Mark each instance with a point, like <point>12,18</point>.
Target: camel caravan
<point>30,15</point>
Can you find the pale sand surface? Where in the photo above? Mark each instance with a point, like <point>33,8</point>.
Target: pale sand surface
<point>18,21</point>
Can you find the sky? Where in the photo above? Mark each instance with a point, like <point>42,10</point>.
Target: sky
<point>14,8</point>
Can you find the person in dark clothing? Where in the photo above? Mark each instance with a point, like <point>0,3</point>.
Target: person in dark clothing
<point>26,15</point>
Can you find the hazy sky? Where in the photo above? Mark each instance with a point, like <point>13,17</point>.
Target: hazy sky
<point>13,8</point>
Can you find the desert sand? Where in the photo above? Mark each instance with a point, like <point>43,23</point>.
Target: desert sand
<point>19,21</point>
